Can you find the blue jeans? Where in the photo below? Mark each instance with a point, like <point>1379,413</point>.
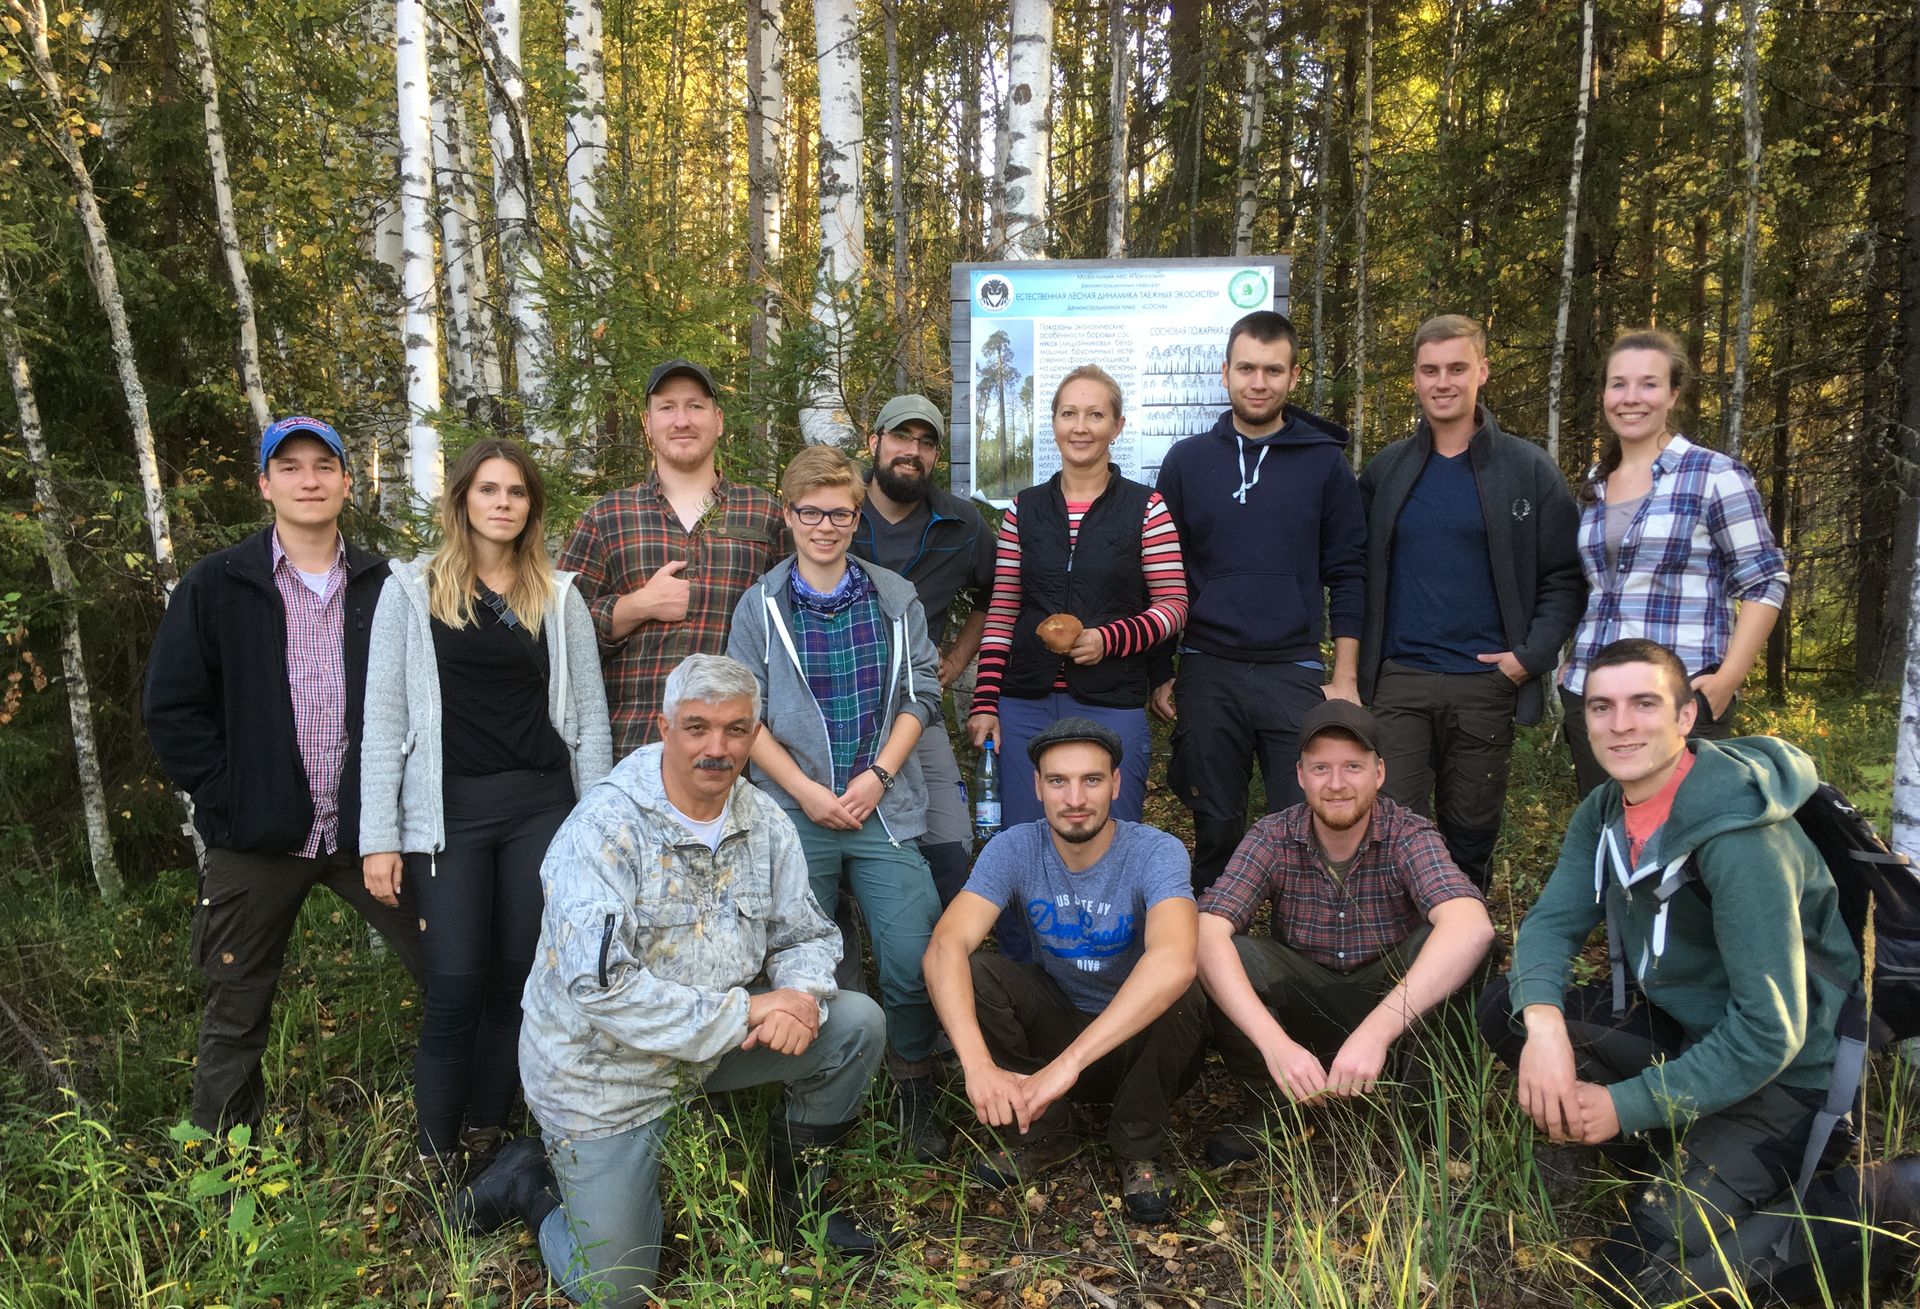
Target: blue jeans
<point>603,1244</point>
<point>897,898</point>
<point>1021,721</point>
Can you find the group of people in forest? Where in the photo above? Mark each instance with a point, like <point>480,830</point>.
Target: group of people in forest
<point>608,809</point>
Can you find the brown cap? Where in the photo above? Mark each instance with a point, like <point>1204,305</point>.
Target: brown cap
<point>1340,716</point>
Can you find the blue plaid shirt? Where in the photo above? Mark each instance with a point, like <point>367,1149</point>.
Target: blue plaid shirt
<point>842,641</point>
<point>1699,542</point>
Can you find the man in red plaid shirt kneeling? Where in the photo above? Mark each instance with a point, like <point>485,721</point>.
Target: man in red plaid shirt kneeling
<point>1372,926</point>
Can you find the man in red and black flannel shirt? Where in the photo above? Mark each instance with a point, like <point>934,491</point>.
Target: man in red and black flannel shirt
<point>1372,925</point>
<point>663,563</point>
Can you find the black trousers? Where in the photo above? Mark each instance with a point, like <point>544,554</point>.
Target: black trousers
<point>242,921</point>
<point>1027,1020</point>
<point>479,902</point>
<point>1230,714</point>
<point>1706,1184</point>
<point>1587,772</point>
<point>1447,739</point>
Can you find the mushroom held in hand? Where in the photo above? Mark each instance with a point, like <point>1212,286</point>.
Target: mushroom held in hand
<point>1059,632</point>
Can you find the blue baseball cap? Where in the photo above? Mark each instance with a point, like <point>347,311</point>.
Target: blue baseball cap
<point>280,429</point>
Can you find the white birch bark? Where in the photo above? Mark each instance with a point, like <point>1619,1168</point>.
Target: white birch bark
<point>479,330</point>
<point>1556,370</point>
<point>1750,233</point>
<point>53,538</point>
<point>1906,751</point>
<point>1252,120</point>
<point>586,123</point>
<point>843,245</point>
<point>461,382</point>
<point>199,31</point>
<point>1358,448</point>
<point>1322,204</point>
<point>419,332</point>
<point>1024,179</point>
<point>105,275</point>
<point>766,166</point>
<point>513,213</point>
<point>1119,53</point>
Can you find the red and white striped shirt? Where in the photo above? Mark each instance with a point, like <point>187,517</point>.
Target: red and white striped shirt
<point>1165,614</point>
<point>317,681</point>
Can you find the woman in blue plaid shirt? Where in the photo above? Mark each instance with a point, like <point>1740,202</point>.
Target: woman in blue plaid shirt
<point>1676,547</point>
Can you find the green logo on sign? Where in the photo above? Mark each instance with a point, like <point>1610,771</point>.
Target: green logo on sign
<point>1248,288</point>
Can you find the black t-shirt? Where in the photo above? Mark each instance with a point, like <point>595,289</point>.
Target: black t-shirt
<point>940,559</point>
<point>493,699</point>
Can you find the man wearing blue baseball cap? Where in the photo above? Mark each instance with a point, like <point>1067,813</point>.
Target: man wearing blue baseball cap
<point>253,705</point>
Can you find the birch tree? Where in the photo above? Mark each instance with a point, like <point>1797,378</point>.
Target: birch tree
<point>60,131</point>
<point>1556,370</point>
<point>897,189</point>
<point>1029,127</point>
<point>1906,752</point>
<point>1119,53</point>
<point>1358,448</point>
<point>198,30</point>
<point>419,332</point>
<point>53,543</point>
<point>766,166</point>
<point>843,242</point>
<point>1322,201</point>
<point>1750,233</point>
<point>1253,106</point>
<point>520,262</point>
<point>463,250</point>
<point>586,123</point>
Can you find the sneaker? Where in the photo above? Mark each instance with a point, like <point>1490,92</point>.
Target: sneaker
<point>1147,1187</point>
<point>916,1115</point>
<point>1024,1159</point>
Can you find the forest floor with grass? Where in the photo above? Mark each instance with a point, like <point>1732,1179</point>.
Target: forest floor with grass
<point>106,1201</point>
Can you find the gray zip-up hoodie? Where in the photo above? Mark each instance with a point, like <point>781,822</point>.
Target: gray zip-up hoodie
<point>762,639</point>
<point>401,803</point>
<point>648,943</point>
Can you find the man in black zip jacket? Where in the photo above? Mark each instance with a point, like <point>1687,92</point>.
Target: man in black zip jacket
<point>1274,536</point>
<point>253,704</point>
<point>1473,586</point>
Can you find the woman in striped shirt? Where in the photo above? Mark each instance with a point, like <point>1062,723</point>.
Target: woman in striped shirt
<point>1096,545</point>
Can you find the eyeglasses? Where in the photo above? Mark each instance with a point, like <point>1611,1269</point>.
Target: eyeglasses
<point>928,441</point>
<point>812,514</point>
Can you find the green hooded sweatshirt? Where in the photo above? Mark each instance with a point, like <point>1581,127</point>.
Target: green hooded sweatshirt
<point>1731,967</point>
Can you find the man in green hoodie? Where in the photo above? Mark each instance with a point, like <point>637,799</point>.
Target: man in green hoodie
<point>1721,1060</point>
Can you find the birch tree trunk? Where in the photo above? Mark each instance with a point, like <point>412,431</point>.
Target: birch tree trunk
<point>843,243</point>
<point>420,332</point>
<point>462,382</point>
<point>897,191</point>
<point>1252,117</point>
<point>766,168</point>
<point>1903,572</point>
<point>1556,370</point>
<point>1906,751</point>
<point>1119,55</point>
<point>53,541</point>
<point>1322,200</point>
<point>520,262</point>
<point>1750,237</point>
<point>462,218</point>
<point>586,123</point>
<point>249,352</point>
<point>1358,449</point>
<point>1029,127</point>
<point>105,275</point>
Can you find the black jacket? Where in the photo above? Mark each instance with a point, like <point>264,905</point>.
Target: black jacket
<point>1097,579</point>
<point>1532,536</point>
<point>219,711</point>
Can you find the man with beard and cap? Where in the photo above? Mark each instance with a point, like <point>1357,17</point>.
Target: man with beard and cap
<point>662,563</point>
<point>1273,535</point>
<point>1372,927</point>
<point>680,949</point>
<point>938,542</point>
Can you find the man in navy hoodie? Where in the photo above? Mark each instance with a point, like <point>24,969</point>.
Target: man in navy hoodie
<point>1274,535</point>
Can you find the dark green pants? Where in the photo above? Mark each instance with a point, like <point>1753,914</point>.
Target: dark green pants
<point>1447,739</point>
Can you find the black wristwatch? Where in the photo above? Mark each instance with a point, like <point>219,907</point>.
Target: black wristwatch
<point>886,778</point>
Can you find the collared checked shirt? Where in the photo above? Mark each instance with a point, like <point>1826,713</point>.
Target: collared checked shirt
<point>1401,872</point>
<point>843,643</point>
<point>1698,542</point>
<point>317,681</point>
<point>628,536</point>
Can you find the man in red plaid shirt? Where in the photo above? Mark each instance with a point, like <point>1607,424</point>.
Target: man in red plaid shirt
<point>663,563</point>
<point>1372,925</point>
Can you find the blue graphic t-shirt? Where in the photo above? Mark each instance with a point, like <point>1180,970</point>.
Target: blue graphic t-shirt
<point>1088,929</point>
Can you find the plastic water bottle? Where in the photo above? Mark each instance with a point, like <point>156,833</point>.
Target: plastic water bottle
<point>986,793</point>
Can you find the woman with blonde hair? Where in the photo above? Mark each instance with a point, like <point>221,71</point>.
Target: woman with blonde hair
<point>485,721</point>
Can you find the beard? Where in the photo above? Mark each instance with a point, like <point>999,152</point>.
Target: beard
<point>903,486</point>
<point>1251,417</point>
<point>1078,835</point>
<point>1344,822</point>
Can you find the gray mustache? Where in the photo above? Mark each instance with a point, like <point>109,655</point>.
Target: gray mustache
<point>716,765</point>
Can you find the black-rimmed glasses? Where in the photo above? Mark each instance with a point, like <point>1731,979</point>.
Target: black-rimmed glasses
<point>812,514</point>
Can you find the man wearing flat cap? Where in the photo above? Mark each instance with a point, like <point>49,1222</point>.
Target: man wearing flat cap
<point>1110,1012</point>
<point>663,563</point>
<point>1373,926</point>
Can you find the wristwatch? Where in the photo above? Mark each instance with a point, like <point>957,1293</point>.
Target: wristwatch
<point>886,778</point>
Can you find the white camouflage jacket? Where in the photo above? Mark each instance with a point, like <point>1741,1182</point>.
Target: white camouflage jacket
<point>648,944</point>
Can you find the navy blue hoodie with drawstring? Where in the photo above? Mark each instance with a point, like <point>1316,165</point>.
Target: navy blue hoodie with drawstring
<point>1265,525</point>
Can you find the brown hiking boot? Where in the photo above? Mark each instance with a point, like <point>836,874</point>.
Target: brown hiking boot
<point>1147,1187</point>
<point>1023,1159</point>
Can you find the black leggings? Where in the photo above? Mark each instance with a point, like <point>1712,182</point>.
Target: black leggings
<point>479,902</point>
